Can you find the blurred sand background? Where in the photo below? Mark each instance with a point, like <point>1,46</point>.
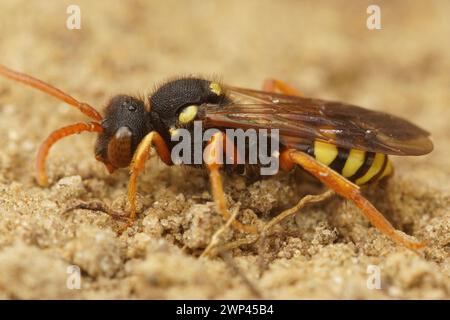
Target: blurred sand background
<point>322,47</point>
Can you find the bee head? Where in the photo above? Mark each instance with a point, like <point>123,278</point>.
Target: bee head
<point>124,125</point>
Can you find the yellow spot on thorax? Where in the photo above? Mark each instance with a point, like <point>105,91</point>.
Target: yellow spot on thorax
<point>325,152</point>
<point>188,114</point>
<point>215,88</point>
<point>173,131</point>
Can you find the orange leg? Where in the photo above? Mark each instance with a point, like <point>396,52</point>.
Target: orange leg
<point>212,155</point>
<point>54,137</point>
<point>138,163</point>
<point>273,85</point>
<point>96,206</point>
<point>350,191</point>
<point>136,167</point>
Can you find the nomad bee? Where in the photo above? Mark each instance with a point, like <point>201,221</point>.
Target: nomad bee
<point>342,145</point>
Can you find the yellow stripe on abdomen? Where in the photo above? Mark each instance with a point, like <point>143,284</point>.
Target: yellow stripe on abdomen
<point>388,170</point>
<point>354,161</point>
<point>374,169</point>
<point>324,152</point>
<point>356,165</point>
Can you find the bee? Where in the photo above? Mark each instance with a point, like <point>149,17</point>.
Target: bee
<point>342,145</point>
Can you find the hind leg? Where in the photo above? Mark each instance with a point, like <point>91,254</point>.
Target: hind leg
<point>350,191</point>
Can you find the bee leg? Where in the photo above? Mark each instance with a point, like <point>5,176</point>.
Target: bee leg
<point>350,191</point>
<point>137,166</point>
<point>97,206</point>
<point>214,247</point>
<point>213,153</point>
<point>54,137</point>
<point>274,85</point>
<point>216,238</point>
<point>308,199</point>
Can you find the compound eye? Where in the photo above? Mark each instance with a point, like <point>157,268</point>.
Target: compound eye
<point>188,114</point>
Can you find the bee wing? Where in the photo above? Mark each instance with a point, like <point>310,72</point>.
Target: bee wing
<point>302,120</point>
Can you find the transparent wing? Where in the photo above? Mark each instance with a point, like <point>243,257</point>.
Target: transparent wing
<point>302,120</point>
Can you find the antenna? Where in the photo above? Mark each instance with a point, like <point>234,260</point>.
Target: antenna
<point>49,89</point>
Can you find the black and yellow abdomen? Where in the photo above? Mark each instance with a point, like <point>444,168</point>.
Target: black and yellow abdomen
<point>358,166</point>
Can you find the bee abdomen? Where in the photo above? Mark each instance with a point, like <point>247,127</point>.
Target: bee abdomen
<point>360,167</point>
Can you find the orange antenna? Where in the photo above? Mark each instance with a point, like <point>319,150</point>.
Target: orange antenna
<point>54,137</point>
<point>49,89</point>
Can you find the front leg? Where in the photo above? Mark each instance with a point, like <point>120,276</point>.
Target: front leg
<point>136,167</point>
<point>138,163</point>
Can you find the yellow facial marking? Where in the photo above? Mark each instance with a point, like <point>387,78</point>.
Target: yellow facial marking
<point>373,170</point>
<point>354,161</point>
<point>215,88</point>
<point>325,152</point>
<point>188,114</point>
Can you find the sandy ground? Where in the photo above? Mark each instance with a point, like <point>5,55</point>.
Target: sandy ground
<point>131,46</point>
